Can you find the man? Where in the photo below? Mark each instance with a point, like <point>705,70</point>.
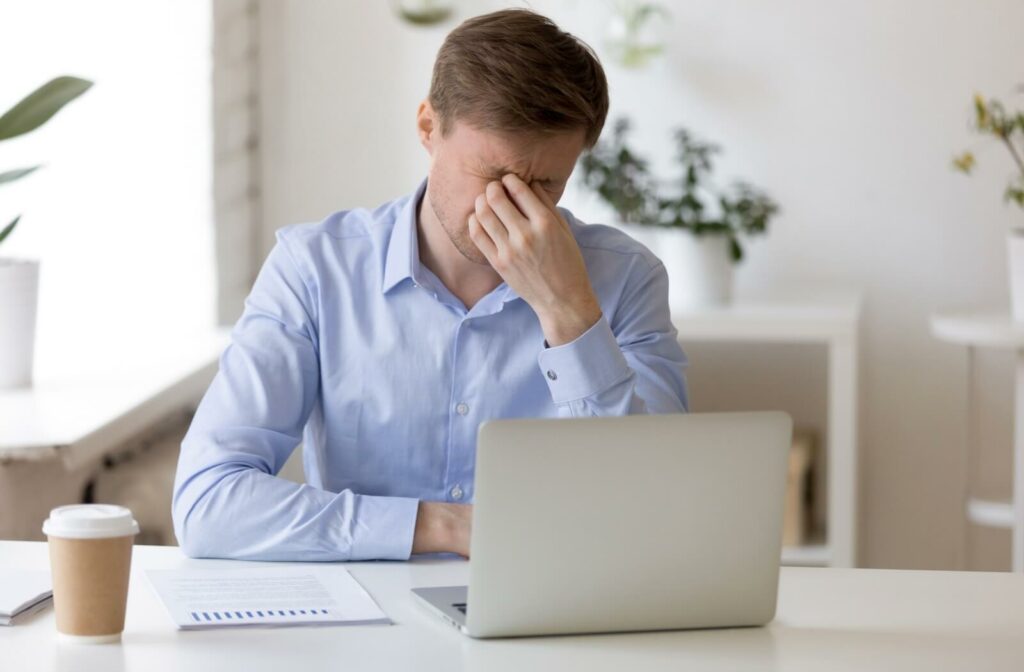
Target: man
<point>383,339</point>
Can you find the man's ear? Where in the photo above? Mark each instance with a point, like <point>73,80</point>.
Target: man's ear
<point>427,125</point>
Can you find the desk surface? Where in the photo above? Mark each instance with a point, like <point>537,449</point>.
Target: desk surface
<point>828,619</point>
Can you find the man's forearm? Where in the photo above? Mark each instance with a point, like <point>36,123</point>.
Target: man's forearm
<point>569,321</point>
<point>226,512</point>
<point>442,528</point>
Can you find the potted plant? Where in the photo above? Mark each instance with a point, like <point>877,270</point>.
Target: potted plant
<point>692,226</point>
<point>19,278</point>
<point>633,34</point>
<point>991,118</point>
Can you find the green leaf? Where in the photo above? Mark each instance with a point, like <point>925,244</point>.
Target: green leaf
<point>7,229</point>
<point>12,175</point>
<point>37,107</point>
<point>1014,194</point>
<point>736,250</point>
<point>427,16</point>
<point>982,118</point>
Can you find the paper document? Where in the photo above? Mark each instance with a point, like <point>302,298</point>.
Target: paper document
<point>23,592</point>
<point>288,595</point>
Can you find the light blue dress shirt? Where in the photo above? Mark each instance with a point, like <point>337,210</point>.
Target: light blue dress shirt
<point>353,347</point>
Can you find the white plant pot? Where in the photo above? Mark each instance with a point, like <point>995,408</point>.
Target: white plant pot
<point>19,291</point>
<point>1015,268</point>
<point>700,270</point>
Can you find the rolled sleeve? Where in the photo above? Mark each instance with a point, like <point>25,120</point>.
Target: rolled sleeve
<point>630,362</point>
<point>385,527</point>
<point>584,367</point>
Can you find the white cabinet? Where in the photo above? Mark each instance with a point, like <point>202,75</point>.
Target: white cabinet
<point>833,321</point>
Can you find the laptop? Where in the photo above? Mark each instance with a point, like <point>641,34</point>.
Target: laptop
<point>654,522</point>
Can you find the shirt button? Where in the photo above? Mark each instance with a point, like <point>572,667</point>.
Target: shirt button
<point>462,408</point>
<point>456,492</point>
<point>552,375</point>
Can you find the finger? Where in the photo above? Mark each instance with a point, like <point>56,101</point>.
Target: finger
<point>494,227</point>
<point>543,195</point>
<point>545,198</point>
<point>524,197</point>
<point>481,238</point>
<point>508,213</point>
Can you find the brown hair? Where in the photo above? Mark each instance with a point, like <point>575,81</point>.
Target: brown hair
<point>515,70</point>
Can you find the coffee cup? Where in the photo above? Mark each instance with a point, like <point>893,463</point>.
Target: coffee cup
<point>90,561</point>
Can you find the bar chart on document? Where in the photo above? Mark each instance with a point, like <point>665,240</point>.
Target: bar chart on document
<point>269,596</point>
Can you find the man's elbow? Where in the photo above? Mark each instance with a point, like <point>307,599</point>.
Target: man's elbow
<point>204,524</point>
<point>189,531</point>
<point>194,528</point>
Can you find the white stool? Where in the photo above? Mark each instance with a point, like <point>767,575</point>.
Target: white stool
<point>995,330</point>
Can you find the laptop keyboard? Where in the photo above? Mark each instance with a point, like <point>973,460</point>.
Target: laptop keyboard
<point>461,606</point>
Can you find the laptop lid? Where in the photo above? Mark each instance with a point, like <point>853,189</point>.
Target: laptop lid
<point>627,523</point>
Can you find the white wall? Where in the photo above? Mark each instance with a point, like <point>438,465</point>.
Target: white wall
<point>846,112</point>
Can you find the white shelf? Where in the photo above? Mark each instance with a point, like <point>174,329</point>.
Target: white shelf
<point>989,329</point>
<point>790,318</point>
<point>810,555</point>
<point>990,514</point>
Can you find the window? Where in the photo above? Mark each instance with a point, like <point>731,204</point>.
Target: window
<point>120,216</point>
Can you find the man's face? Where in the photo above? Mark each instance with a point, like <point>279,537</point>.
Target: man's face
<point>464,161</point>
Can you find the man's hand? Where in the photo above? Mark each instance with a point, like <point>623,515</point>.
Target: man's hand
<point>443,528</point>
<point>529,244</point>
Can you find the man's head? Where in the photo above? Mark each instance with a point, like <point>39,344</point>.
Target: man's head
<point>511,93</point>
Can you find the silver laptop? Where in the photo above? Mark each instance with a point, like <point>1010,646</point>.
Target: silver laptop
<point>655,522</point>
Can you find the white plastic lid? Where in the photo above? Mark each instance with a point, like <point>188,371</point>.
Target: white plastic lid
<point>90,521</point>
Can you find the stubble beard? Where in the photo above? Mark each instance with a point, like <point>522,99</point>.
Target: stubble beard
<point>459,235</point>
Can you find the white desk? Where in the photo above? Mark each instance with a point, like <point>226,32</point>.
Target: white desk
<point>831,319</point>
<point>828,620</point>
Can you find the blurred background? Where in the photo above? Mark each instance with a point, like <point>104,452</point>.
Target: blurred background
<point>210,124</point>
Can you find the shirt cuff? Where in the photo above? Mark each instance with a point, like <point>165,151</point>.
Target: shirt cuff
<point>384,528</point>
<point>584,367</point>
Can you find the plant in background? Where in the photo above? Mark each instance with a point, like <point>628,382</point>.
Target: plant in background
<point>632,33</point>
<point>991,118</point>
<point>32,112</point>
<point>423,12</point>
<point>624,181</point>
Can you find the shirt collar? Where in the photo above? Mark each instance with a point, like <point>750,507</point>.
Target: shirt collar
<point>403,256</point>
